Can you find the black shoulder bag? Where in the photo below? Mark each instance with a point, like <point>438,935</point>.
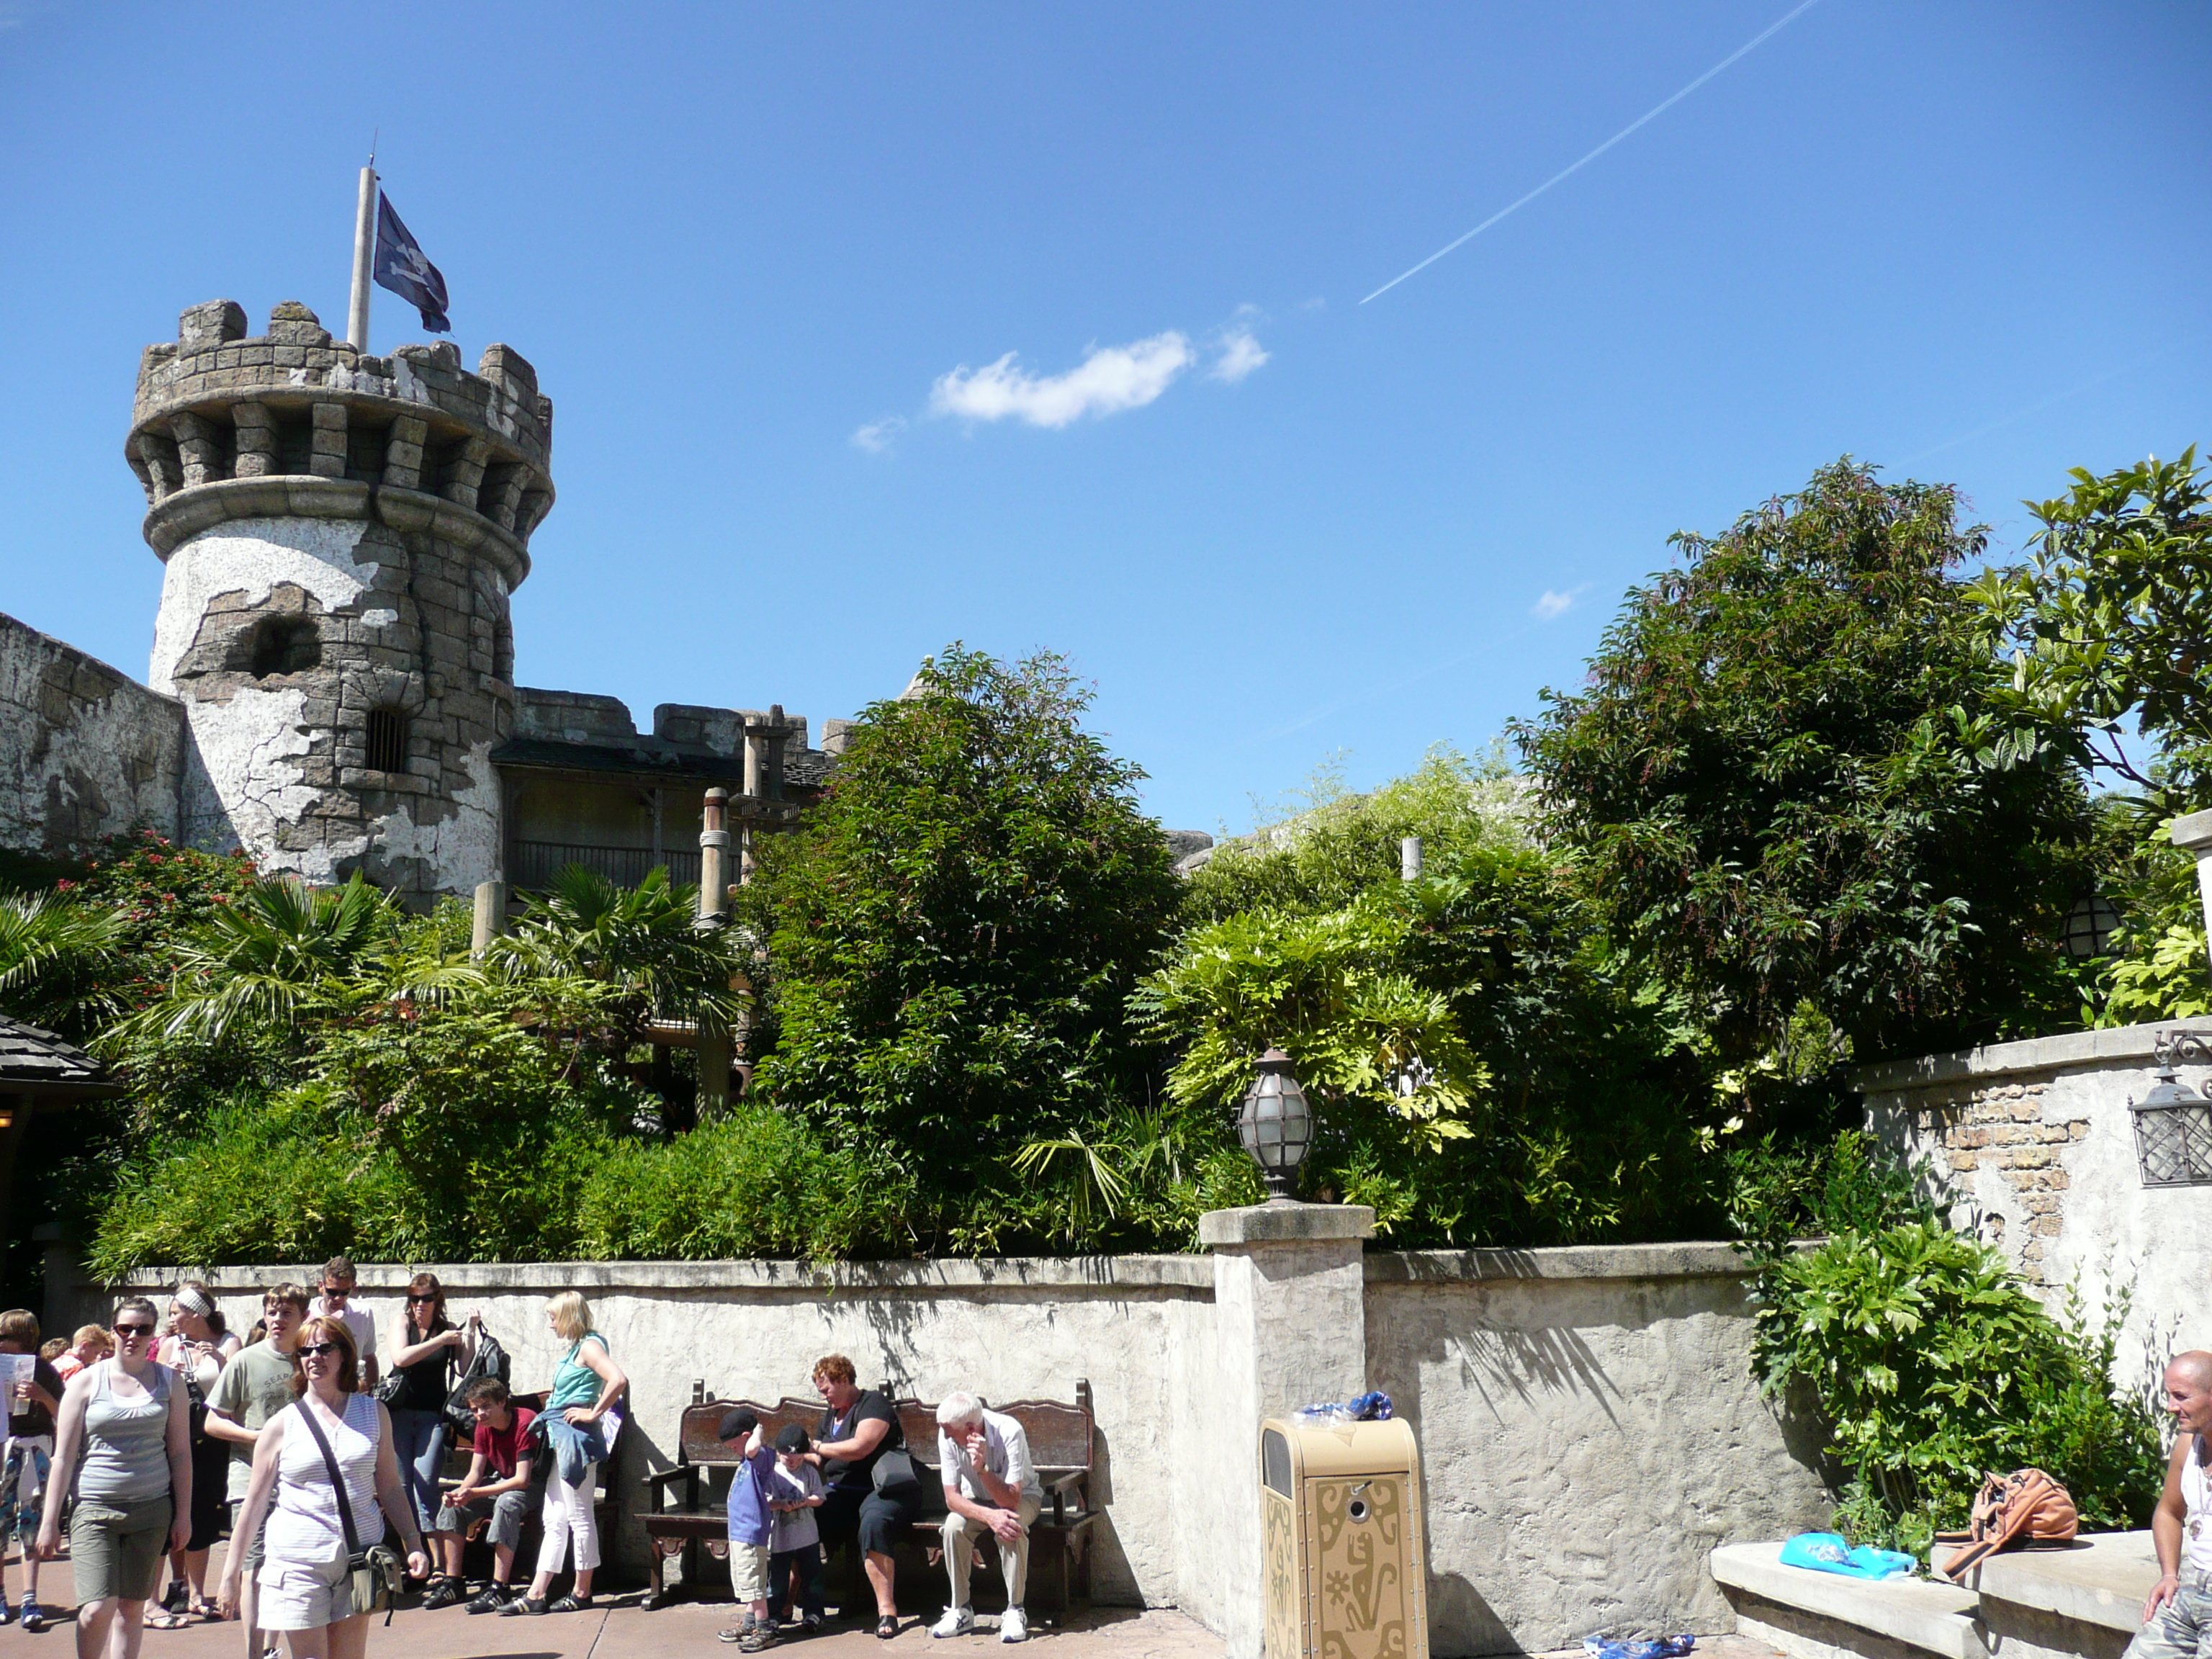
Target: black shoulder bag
<point>375,1570</point>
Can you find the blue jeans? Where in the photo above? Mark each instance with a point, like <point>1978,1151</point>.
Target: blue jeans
<point>807,1557</point>
<point>419,1441</point>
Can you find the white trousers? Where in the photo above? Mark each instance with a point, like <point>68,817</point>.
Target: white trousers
<point>960,1536</point>
<point>567,1514</point>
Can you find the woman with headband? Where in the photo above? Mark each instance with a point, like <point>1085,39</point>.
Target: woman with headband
<point>198,1344</point>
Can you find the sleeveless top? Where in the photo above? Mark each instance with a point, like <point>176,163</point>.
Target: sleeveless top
<point>126,1449</point>
<point>424,1388</point>
<point>2196,1501</point>
<point>574,1382</point>
<point>304,1524</point>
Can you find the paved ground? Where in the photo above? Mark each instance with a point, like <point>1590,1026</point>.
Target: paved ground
<point>619,1629</point>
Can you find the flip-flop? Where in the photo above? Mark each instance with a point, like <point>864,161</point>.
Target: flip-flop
<point>206,1608</point>
<point>162,1619</point>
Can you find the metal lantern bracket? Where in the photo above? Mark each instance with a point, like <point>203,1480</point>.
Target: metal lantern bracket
<point>2174,1123</point>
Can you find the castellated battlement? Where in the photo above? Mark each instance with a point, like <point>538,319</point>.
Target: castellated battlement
<point>294,423</point>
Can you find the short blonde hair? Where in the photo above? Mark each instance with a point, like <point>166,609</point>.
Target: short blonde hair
<point>572,1315</point>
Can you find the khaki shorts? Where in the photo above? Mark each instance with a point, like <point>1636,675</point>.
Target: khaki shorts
<point>303,1594</point>
<point>749,1570</point>
<point>116,1548</point>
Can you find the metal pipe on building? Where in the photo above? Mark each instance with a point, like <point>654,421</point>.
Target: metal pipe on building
<point>1409,859</point>
<point>712,1050</point>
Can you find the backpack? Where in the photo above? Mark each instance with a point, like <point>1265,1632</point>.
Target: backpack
<point>491,1361</point>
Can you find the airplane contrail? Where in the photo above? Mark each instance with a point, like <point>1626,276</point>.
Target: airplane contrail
<point>1756,40</point>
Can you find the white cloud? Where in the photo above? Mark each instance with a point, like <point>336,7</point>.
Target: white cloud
<point>1109,379</point>
<point>876,436</point>
<point>1555,604</point>
<point>1241,353</point>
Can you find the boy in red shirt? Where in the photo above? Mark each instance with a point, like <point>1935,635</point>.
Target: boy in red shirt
<point>498,1484</point>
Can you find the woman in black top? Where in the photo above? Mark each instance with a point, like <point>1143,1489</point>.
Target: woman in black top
<point>858,1428</point>
<point>426,1347</point>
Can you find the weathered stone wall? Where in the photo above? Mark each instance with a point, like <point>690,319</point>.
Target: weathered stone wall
<point>1587,1418</point>
<point>342,534</point>
<point>1590,1431</point>
<point>85,750</point>
<point>2034,1143</point>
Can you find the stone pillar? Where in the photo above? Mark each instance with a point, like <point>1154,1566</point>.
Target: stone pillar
<point>713,1051</point>
<point>2192,833</point>
<point>490,918</point>
<point>1289,1328</point>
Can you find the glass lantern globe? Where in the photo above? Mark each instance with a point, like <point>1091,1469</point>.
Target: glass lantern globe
<point>1276,1126</point>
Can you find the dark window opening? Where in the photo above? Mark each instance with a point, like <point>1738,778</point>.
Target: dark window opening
<point>387,740</point>
<point>285,645</point>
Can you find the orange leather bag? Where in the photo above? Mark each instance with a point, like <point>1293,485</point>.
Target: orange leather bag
<point>2026,1506</point>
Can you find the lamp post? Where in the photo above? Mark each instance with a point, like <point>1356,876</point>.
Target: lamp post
<point>2174,1123</point>
<point>1276,1126</point>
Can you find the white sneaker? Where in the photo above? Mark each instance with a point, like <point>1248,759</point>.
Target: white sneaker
<point>957,1621</point>
<point>1012,1626</point>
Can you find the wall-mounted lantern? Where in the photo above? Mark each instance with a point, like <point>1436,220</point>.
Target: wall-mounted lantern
<point>2174,1123</point>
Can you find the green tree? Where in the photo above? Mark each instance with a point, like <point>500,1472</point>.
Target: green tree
<point>2110,618</point>
<point>1789,788</point>
<point>953,931</point>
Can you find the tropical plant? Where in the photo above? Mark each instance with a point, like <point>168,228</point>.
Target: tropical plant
<point>1789,782</point>
<point>1933,1366</point>
<point>55,952</point>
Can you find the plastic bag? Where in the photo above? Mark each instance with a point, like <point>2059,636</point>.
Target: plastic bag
<point>1826,1552</point>
<point>1662,1647</point>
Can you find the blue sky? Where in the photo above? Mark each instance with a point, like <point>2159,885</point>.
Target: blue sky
<point>769,261</point>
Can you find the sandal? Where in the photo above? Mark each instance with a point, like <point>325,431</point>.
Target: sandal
<point>887,1627</point>
<point>204,1607</point>
<point>162,1619</point>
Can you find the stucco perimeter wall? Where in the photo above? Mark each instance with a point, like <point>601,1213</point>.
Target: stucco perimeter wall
<point>1587,1418</point>
<point>85,750</point>
<point>1589,1430</point>
<point>2035,1141</point>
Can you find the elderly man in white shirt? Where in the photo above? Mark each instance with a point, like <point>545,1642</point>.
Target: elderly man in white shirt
<point>990,1486</point>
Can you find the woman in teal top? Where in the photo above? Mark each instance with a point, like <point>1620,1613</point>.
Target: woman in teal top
<point>586,1383</point>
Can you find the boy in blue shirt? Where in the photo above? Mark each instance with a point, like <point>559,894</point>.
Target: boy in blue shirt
<point>750,1522</point>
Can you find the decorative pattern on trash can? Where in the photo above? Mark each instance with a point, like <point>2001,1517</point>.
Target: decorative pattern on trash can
<point>1356,1583</point>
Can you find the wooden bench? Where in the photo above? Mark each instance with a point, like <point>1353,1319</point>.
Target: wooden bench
<point>1061,1437</point>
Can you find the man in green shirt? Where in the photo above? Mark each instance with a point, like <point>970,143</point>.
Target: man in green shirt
<point>255,1385</point>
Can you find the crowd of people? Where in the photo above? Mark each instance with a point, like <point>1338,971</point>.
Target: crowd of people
<point>147,1441</point>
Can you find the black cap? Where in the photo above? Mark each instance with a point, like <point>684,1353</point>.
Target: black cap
<point>793,1439</point>
<point>737,1424</point>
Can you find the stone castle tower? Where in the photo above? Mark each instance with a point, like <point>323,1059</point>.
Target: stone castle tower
<point>341,534</point>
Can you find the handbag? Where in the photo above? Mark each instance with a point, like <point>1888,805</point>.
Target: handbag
<point>375,1570</point>
<point>894,1467</point>
<point>2027,1504</point>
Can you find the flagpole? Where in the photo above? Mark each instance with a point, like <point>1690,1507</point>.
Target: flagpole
<point>364,251</point>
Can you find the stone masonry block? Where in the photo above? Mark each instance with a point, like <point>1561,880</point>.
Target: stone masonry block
<point>210,325</point>
<point>2026,1111</point>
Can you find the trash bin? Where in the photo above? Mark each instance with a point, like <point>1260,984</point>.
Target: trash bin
<point>1342,1547</point>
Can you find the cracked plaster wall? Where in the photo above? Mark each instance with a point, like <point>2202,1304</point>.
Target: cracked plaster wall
<point>85,750</point>
<point>280,761</point>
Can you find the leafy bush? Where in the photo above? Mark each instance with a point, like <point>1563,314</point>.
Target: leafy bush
<point>1934,1366</point>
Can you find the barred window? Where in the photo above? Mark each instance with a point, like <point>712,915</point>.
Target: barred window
<point>387,740</point>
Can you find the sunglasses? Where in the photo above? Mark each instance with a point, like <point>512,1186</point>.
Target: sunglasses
<point>134,1332</point>
<point>422,1301</point>
<point>317,1350</point>
<point>336,1292</point>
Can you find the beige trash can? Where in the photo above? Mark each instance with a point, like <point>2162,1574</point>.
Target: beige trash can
<point>1342,1547</point>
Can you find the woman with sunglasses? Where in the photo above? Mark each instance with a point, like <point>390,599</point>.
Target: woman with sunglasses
<point>124,1446</point>
<point>425,1348</point>
<point>306,1581</point>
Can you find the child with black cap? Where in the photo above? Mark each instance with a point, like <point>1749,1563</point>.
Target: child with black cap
<point>795,1541</point>
<point>750,1521</point>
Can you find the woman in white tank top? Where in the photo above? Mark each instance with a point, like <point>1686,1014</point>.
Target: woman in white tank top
<point>2179,1614</point>
<point>306,1586</point>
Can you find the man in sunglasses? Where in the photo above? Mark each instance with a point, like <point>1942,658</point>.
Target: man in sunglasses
<point>255,1385</point>
<point>339,1282</point>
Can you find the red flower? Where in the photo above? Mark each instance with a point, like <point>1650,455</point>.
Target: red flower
<point>64,886</point>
